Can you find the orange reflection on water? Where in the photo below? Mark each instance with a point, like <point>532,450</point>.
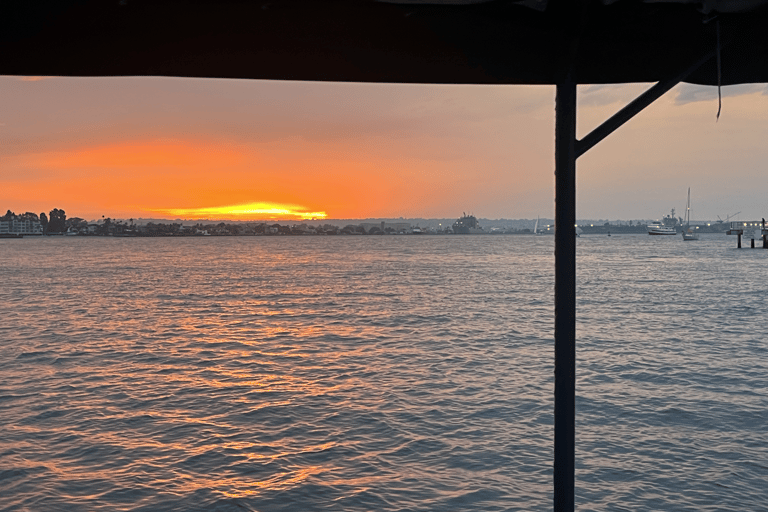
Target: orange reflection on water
<point>279,482</point>
<point>286,453</point>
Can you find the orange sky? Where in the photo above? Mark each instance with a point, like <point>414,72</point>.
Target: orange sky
<point>151,147</point>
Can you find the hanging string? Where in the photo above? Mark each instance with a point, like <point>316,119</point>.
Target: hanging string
<point>719,72</point>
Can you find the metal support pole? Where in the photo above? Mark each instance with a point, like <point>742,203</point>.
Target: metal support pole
<point>567,149</point>
<point>565,295</point>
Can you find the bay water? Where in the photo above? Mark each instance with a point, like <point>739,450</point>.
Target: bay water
<point>390,373</point>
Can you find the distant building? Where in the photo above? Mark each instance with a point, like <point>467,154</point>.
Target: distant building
<point>18,226</point>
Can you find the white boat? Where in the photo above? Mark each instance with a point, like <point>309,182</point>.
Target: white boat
<point>657,228</point>
<point>543,231</point>
<point>688,233</point>
<point>551,229</point>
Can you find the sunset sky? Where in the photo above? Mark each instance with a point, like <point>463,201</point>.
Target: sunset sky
<point>199,148</point>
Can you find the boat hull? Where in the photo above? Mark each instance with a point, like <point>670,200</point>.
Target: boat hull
<point>657,228</point>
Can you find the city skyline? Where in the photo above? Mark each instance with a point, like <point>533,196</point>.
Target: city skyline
<point>155,147</point>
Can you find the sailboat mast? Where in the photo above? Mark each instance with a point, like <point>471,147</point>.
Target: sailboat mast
<point>687,233</point>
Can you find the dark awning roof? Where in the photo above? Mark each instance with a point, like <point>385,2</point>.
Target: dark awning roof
<point>465,41</point>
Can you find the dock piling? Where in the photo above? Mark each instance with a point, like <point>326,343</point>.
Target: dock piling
<point>753,229</point>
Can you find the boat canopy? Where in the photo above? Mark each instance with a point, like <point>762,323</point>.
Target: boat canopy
<point>395,41</point>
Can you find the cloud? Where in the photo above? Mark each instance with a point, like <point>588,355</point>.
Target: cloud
<point>689,93</point>
<point>33,78</point>
<point>602,95</point>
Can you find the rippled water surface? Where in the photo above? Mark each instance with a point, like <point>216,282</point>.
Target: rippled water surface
<point>377,373</point>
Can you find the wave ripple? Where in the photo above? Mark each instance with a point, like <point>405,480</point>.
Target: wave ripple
<point>413,373</point>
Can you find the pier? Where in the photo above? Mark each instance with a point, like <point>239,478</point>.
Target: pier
<point>752,229</point>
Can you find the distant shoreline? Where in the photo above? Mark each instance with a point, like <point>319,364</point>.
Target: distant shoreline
<point>30,224</point>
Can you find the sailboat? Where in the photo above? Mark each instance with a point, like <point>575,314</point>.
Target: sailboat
<point>542,231</point>
<point>536,227</point>
<point>688,234</point>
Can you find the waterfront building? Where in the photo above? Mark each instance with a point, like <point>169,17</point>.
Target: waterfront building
<point>21,226</point>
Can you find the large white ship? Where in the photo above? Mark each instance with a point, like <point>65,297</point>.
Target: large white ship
<point>657,228</point>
